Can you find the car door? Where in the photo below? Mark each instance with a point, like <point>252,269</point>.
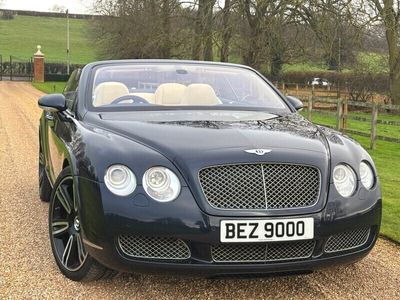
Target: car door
<point>58,128</point>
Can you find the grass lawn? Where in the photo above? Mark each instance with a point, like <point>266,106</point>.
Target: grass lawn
<point>387,161</point>
<point>20,36</point>
<point>383,129</point>
<point>50,87</point>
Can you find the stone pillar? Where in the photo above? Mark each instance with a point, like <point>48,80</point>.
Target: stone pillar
<point>38,65</point>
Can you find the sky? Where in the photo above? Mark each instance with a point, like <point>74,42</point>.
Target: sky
<point>74,6</point>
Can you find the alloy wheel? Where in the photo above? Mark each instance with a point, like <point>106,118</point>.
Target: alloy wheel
<point>65,227</point>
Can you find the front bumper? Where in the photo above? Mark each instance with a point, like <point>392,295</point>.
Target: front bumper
<point>103,221</point>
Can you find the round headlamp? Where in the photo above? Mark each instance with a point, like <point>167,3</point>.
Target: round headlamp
<point>345,180</point>
<point>366,175</point>
<point>120,180</point>
<point>161,184</point>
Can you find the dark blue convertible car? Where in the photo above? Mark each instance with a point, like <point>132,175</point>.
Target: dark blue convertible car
<point>197,168</point>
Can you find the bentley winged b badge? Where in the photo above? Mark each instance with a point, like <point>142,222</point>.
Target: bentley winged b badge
<point>258,151</point>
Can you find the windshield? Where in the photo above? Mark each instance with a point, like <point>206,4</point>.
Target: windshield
<point>181,86</point>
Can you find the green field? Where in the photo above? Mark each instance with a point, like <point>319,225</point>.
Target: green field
<point>49,87</point>
<point>387,160</point>
<point>20,36</point>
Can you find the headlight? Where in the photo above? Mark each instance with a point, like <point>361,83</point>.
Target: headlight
<point>120,180</point>
<point>161,184</point>
<point>344,179</point>
<point>367,175</point>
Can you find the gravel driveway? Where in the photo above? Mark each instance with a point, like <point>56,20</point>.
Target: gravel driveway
<point>27,268</point>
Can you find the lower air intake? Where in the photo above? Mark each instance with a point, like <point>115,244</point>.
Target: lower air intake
<point>347,240</point>
<point>262,253</point>
<point>154,247</point>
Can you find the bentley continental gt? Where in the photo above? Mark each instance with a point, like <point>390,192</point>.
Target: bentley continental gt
<point>197,168</point>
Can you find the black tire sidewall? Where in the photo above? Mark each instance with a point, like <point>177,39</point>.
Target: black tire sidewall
<point>80,274</point>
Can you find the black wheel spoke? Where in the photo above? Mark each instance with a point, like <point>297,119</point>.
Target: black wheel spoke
<point>81,250</point>
<point>67,251</point>
<point>64,198</point>
<point>60,227</point>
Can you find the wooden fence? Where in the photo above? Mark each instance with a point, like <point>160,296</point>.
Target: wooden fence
<point>339,108</point>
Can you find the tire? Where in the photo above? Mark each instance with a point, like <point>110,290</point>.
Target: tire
<point>45,188</point>
<point>65,235</point>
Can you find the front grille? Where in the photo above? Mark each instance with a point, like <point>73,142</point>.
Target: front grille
<point>153,247</point>
<point>262,253</point>
<point>347,240</point>
<point>260,186</point>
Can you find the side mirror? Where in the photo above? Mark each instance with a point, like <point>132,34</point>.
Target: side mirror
<point>296,103</point>
<point>53,103</point>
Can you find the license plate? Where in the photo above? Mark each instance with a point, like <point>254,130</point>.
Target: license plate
<point>245,231</point>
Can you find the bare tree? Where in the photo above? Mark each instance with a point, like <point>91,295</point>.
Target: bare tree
<point>388,12</point>
<point>138,28</point>
<point>203,32</point>
<point>267,33</point>
<point>336,27</point>
<point>58,8</point>
<point>226,30</point>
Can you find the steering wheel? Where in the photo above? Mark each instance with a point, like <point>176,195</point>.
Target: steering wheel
<point>134,98</point>
<point>245,98</point>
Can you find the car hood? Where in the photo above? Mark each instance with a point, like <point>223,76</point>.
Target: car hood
<point>198,143</point>
<point>197,138</point>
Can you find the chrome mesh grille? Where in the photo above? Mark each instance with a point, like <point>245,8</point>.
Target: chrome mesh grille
<point>347,240</point>
<point>260,186</point>
<point>262,253</point>
<point>153,247</point>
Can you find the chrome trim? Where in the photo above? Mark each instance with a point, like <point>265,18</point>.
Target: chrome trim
<point>48,108</point>
<point>86,242</point>
<point>263,209</point>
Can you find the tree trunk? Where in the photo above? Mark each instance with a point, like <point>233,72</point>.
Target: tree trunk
<point>389,16</point>
<point>276,66</point>
<point>166,28</point>
<point>251,42</point>
<point>395,87</point>
<point>207,30</point>
<point>198,28</point>
<point>392,37</point>
<point>226,31</point>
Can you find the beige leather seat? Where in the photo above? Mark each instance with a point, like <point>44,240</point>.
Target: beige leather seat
<point>107,92</point>
<point>149,97</point>
<point>200,94</point>
<point>169,94</point>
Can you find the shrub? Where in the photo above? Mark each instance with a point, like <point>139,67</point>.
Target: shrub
<point>7,15</point>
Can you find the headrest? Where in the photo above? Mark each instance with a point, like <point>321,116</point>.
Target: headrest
<point>106,92</point>
<point>200,94</point>
<point>169,94</point>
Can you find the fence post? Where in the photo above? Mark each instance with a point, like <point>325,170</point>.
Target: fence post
<point>374,121</point>
<point>309,108</point>
<point>11,69</point>
<point>339,115</point>
<point>345,112</point>
<point>38,61</point>
<point>312,91</point>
